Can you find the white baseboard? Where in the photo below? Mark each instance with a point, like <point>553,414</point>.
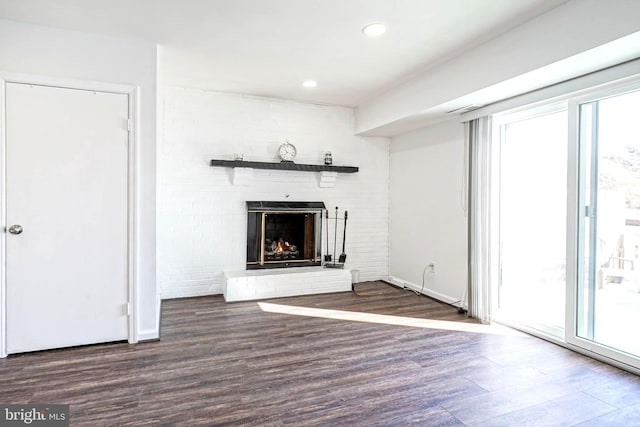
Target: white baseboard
<point>427,292</point>
<point>190,292</point>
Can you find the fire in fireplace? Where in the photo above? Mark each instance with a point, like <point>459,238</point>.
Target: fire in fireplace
<point>283,234</point>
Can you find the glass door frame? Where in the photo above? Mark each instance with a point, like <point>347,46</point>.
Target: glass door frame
<point>576,214</point>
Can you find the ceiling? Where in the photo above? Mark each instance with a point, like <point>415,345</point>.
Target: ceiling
<point>268,47</point>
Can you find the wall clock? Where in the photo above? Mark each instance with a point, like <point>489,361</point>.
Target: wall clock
<point>287,152</point>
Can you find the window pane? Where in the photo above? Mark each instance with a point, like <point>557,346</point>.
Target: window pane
<point>533,221</point>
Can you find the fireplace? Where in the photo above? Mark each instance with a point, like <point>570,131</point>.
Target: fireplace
<point>283,234</point>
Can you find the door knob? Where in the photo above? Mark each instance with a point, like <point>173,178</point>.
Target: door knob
<point>15,229</point>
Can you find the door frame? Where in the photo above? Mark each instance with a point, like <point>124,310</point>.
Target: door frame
<point>133,95</point>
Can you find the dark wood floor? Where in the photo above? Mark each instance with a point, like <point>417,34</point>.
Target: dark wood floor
<point>381,358</point>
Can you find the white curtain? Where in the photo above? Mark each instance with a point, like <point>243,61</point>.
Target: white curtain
<point>478,137</point>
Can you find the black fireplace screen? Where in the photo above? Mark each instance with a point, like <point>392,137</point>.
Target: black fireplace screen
<point>283,234</point>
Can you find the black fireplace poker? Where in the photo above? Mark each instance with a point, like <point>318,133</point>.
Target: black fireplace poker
<point>343,255</point>
<point>328,258</point>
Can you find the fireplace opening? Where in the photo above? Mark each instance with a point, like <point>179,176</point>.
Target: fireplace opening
<point>283,234</point>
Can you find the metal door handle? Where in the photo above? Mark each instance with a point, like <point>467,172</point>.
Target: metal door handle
<point>15,229</point>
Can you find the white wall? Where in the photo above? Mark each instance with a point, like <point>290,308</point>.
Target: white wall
<point>202,215</point>
<point>47,52</point>
<point>428,219</point>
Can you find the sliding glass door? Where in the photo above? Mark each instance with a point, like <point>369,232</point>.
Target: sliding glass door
<point>531,286</point>
<point>607,294</point>
<point>565,221</point>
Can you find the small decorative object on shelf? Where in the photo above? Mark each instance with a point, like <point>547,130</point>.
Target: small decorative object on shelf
<point>328,160</point>
<point>287,151</point>
<point>238,157</point>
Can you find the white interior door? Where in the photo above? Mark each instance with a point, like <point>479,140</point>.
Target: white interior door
<point>66,187</point>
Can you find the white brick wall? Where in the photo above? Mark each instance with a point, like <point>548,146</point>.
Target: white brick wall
<point>202,215</point>
<point>260,284</point>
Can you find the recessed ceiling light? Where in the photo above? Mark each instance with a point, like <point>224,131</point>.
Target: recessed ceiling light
<point>309,83</point>
<point>374,30</point>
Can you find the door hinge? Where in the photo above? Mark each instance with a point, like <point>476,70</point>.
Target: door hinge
<point>129,125</point>
<point>127,309</point>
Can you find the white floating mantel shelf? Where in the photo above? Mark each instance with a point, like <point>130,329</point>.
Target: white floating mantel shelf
<point>243,170</point>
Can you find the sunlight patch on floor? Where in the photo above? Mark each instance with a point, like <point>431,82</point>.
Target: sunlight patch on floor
<point>356,316</point>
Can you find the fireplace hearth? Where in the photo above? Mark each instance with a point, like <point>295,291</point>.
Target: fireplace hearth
<point>283,234</point>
